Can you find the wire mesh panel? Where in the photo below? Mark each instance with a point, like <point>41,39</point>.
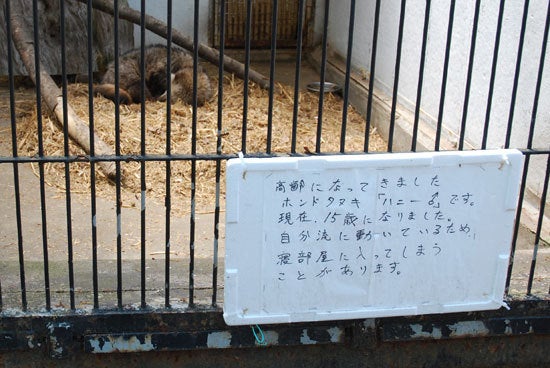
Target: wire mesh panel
<point>110,205</point>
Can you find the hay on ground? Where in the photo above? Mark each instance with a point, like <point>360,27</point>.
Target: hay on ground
<point>181,139</point>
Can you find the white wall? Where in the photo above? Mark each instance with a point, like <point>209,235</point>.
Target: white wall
<point>454,97</point>
<point>182,18</point>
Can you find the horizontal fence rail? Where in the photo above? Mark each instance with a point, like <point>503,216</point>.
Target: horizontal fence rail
<point>56,271</point>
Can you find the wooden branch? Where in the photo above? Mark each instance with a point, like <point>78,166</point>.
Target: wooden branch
<point>160,28</point>
<point>78,130</point>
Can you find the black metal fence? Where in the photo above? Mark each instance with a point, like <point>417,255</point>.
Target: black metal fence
<point>131,299</point>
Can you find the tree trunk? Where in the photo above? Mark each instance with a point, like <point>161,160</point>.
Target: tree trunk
<point>76,36</point>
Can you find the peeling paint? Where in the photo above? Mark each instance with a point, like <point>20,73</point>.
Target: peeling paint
<point>53,326</point>
<point>418,332</point>
<point>169,331</point>
<point>335,334</point>
<point>459,329</point>
<point>271,337</point>
<point>219,340</point>
<point>468,328</point>
<point>30,341</point>
<point>305,339</point>
<point>60,333</point>
<point>369,323</point>
<point>508,328</point>
<point>121,344</point>
<point>57,349</point>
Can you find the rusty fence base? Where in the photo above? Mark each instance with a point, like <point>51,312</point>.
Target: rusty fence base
<point>516,337</point>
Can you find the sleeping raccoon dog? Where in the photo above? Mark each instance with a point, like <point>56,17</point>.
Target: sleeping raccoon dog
<point>155,77</point>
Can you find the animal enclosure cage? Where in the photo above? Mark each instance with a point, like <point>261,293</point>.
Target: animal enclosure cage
<point>137,223</point>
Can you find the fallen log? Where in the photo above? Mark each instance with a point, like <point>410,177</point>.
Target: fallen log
<point>160,28</point>
<point>78,130</point>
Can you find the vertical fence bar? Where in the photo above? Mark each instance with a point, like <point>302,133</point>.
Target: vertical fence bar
<point>195,68</point>
<point>539,228</point>
<point>274,17</point>
<point>530,144</point>
<point>193,152</point>
<point>372,74</point>
<point>36,41</point>
<point>347,78</point>
<point>66,153</point>
<point>118,180</point>
<point>444,78</point>
<point>168,149</point>
<point>540,72</point>
<point>517,222</point>
<point>143,184</point>
<point>421,75</point>
<point>527,161</point>
<point>396,74</point>
<point>299,38</point>
<point>219,152</point>
<point>216,226</point>
<point>493,75</point>
<point>168,201</point>
<point>516,75</point>
<point>246,73</point>
<point>322,79</point>
<point>16,188</point>
<point>469,77</point>
<point>93,203</point>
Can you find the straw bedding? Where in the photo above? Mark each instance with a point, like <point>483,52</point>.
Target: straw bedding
<point>181,139</point>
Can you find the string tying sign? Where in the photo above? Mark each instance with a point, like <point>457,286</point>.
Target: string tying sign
<point>338,237</point>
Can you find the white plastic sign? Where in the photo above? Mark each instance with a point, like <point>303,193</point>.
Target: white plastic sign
<point>345,237</point>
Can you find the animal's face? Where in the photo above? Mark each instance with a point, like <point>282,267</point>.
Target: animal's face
<point>182,87</point>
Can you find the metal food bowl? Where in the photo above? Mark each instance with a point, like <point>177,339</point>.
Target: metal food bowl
<point>328,87</point>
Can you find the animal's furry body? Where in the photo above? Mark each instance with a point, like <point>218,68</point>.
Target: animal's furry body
<point>181,68</point>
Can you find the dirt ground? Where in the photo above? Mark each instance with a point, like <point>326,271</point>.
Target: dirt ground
<point>57,240</point>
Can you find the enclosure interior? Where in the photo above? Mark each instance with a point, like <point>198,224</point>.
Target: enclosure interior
<point>136,219</point>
